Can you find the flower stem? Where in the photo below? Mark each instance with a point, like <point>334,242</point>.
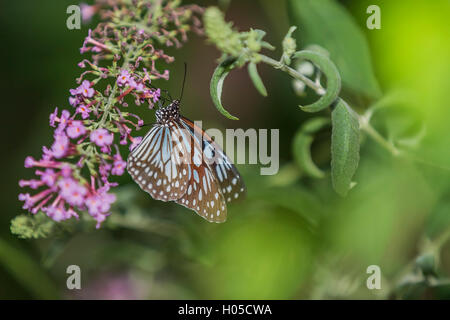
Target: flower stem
<point>112,95</point>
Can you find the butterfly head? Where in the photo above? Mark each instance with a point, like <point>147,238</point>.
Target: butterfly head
<point>169,113</point>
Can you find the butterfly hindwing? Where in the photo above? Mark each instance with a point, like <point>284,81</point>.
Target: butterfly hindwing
<point>230,181</point>
<point>203,194</point>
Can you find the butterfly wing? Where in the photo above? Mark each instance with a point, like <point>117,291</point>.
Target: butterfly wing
<point>157,165</point>
<point>203,194</point>
<point>230,181</point>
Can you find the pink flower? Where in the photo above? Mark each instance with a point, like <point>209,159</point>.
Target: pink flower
<point>48,177</point>
<point>60,146</point>
<point>71,213</point>
<point>53,117</point>
<point>71,191</point>
<point>46,153</point>
<point>66,170</point>
<point>84,111</point>
<point>74,101</point>
<point>135,142</point>
<point>100,218</point>
<point>102,137</point>
<point>85,89</point>
<point>63,120</point>
<point>65,115</point>
<point>66,185</point>
<point>156,95</point>
<point>119,165</point>
<point>29,162</point>
<point>75,129</point>
<point>57,213</point>
<point>123,78</point>
<point>100,203</point>
<point>33,184</point>
<point>30,202</point>
<point>87,12</point>
<point>93,205</point>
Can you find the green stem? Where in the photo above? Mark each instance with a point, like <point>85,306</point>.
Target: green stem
<point>377,137</point>
<point>112,95</point>
<point>293,73</point>
<point>109,104</point>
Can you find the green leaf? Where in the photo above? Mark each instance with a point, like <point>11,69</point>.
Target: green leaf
<point>32,226</point>
<point>27,272</point>
<point>302,146</point>
<point>253,72</point>
<point>216,85</point>
<point>328,24</point>
<point>331,73</point>
<point>344,147</point>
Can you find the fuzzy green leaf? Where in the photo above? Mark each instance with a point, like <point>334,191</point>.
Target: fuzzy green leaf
<point>331,73</point>
<point>32,227</point>
<point>328,24</point>
<point>302,146</point>
<point>344,147</point>
<point>259,85</point>
<point>216,85</point>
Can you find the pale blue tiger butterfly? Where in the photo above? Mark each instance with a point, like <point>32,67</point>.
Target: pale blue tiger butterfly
<point>177,161</point>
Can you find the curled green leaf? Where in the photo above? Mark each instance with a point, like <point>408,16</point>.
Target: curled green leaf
<point>344,147</point>
<point>216,85</point>
<point>318,49</point>
<point>331,73</point>
<point>302,146</point>
<point>253,72</point>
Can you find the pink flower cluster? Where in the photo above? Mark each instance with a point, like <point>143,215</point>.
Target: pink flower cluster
<point>73,174</point>
<point>61,191</point>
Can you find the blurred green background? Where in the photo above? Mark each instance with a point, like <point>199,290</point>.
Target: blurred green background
<point>293,238</point>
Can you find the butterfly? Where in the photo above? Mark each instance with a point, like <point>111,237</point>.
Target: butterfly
<point>177,161</point>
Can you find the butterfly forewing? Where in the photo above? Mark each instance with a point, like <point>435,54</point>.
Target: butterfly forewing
<point>157,165</point>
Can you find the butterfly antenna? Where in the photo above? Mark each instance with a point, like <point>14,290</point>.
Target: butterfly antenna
<point>184,81</point>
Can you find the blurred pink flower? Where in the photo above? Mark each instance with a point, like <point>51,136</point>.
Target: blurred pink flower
<point>101,137</point>
<point>75,129</point>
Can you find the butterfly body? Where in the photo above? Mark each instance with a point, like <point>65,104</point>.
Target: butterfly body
<point>177,161</point>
